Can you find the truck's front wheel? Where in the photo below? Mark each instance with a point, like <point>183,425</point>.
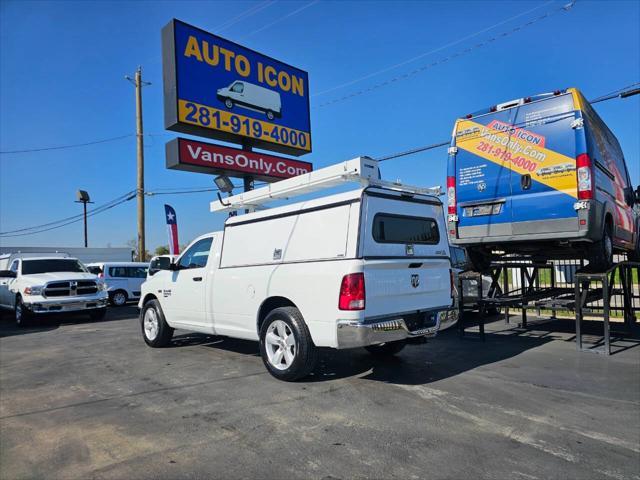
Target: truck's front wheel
<point>23,316</point>
<point>155,329</point>
<point>286,346</point>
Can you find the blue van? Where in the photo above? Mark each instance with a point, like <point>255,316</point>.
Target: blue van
<point>542,177</point>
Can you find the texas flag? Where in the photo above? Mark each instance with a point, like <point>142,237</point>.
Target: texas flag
<point>172,229</point>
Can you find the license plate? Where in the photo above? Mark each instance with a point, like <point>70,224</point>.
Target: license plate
<point>480,210</point>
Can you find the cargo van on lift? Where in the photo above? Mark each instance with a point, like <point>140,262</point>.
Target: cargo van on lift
<point>541,176</point>
<point>365,268</point>
<point>253,97</point>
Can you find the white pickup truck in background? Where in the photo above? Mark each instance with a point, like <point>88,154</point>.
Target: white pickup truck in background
<point>32,285</point>
<point>366,268</point>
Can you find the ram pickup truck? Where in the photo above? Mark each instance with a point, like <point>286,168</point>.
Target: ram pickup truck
<point>366,268</point>
<point>34,286</point>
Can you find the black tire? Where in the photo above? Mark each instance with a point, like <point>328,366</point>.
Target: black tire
<point>270,115</point>
<point>600,254</point>
<point>162,336</point>
<point>118,298</point>
<point>480,261</point>
<point>386,350</point>
<point>228,103</point>
<point>98,313</point>
<point>23,317</point>
<point>302,355</point>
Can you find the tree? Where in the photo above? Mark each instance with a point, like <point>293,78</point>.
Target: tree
<point>162,250</point>
<point>134,246</point>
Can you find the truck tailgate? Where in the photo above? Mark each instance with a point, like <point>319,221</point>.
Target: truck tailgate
<point>405,285</point>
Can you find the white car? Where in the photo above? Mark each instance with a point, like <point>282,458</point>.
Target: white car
<point>366,268</point>
<point>253,97</point>
<point>34,286</point>
<point>122,279</point>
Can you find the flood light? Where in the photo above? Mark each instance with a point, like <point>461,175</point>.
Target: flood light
<point>223,183</point>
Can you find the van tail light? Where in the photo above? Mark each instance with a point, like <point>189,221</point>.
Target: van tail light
<point>451,195</point>
<point>585,177</point>
<point>352,294</point>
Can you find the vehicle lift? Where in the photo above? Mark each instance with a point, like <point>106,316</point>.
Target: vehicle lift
<point>592,293</point>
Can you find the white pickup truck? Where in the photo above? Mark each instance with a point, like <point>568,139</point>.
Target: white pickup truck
<point>366,268</point>
<point>37,285</point>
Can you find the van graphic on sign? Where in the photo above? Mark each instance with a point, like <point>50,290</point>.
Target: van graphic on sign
<point>253,97</point>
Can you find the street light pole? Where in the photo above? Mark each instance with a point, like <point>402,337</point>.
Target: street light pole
<point>83,198</point>
<point>138,83</point>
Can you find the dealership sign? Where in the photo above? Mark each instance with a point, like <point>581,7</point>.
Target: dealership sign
<point>194,156</point>
<point>217,89</point>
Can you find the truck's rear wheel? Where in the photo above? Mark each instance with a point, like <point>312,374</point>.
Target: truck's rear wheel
<point>155,329</point>
<point>385,350</point>
<point>23,316</point>
<point>286,346</point>
<point>601,253</point>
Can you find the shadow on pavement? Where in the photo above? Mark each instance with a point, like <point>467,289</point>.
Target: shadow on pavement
<point>45,323</point>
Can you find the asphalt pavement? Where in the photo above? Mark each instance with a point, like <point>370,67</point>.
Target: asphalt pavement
<point>84,399</point>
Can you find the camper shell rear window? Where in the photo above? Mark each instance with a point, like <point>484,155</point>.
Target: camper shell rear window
<point>404,229</point>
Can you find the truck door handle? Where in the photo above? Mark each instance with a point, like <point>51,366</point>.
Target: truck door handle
<point>525,181</point>
<point>197,279</point>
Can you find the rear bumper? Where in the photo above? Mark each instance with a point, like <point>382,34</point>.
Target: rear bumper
<point>78,304</point>
<point>352,333</point>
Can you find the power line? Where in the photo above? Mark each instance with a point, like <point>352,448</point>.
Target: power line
<point>61,147</point>
<point>621,93</point>
<point>278,20</point>
<point>425,54</point>
<point>242,15</point>
<point>459,53</point>
<point>125,197</point>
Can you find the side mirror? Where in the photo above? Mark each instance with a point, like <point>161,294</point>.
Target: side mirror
<point>8,274</point>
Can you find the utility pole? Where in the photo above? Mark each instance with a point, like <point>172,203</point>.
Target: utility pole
<point>138,83</point>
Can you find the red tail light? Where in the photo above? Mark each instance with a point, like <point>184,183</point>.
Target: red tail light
<point>352,294</point>
<point>451,195</point>
<point>585,177</point>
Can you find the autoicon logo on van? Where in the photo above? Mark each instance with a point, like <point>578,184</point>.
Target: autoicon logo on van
<point>415,280</point>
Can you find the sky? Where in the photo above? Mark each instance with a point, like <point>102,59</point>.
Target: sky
<point>62,68</point>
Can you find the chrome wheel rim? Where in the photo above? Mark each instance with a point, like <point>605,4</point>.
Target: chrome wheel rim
<point>151,325</point>
<point>119,299</point>
<point>280,344</point>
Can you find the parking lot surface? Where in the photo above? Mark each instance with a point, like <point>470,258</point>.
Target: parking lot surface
<point>82,399</point>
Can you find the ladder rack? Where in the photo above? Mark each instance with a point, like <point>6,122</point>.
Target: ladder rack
<point>361,170</point>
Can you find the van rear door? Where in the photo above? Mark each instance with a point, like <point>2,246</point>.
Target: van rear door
<point>543,163</point>
<point>483,179</point>
<point>404,245</point>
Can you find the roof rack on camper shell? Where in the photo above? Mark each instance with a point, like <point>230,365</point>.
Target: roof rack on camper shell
<point>362,170</point>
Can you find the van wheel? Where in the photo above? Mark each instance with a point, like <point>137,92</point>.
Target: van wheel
<point>385,350</point>
<point>479,260</point>
<point>23,316</point>
<point>270,115</point>
<point>286,346</point>
<point>155,330</point>
<point>118,298</point>
<point>601,253</point>
<point>228,103</point>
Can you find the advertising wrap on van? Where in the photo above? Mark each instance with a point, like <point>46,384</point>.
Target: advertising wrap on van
<point>194,156</point>
<point>218,89</point>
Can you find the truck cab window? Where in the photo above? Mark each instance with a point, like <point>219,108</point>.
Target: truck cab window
<point>237,87</point>
<point>196,256</point>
